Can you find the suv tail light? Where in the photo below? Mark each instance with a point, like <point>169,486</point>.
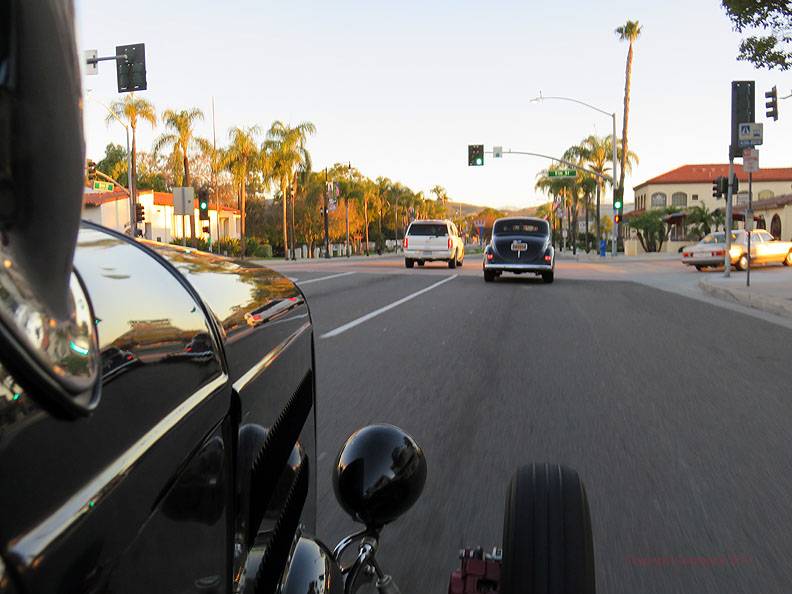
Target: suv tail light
<point>405,243</point>
<point>449,243</point>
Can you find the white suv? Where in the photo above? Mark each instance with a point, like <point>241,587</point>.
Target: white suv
<point>432,240</point>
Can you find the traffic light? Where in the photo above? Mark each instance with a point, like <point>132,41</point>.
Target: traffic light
<point>618,204</point>
<point>717,190</point>
<point>131,70</point>
<point>772,104</point>
<point>140,213</point>
<point>90,168</point>
<point>475,155</point>
<point>617,218</point>
<point>203,204</point>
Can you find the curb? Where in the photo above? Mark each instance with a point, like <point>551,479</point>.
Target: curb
<point>749,298</point>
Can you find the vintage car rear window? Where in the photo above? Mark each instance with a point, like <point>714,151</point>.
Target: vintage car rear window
<point>521,228</point>
<point>428,229</point>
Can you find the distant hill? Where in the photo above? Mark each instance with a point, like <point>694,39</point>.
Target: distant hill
<point>472,209</point>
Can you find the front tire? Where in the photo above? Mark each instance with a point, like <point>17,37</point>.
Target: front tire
<point>408,262</point>
<point>547,277</point>
<point>547,539</point>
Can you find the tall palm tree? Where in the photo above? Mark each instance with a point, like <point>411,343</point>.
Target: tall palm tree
<point>133,109</point>
<point>628,32</point>
<point>180,136</point>
<point>440,192</point>
<point>286,154</point>
<point>241,157</point>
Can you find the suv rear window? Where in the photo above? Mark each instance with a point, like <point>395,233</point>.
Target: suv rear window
<point>517,227</point>
<point>428,229</point>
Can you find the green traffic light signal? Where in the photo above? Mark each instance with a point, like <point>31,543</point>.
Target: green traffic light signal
<point>204,205</point>
<point>617,204</point>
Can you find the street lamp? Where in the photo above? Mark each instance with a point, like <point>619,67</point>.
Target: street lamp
<point>614,183</point>
<point>130,182</point>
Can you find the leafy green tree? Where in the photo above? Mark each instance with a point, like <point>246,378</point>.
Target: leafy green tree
<point>774,16</point>
<point>132,109</point>
<point>628,32</point>
<point>700,220</point>
<point>286,153</point>
<point>652,230</point>
<point>114,163</point>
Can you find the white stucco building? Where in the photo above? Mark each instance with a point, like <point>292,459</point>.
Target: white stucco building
<point>111,209</point>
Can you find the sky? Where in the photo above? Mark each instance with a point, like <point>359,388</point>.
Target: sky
<point>399,89</point>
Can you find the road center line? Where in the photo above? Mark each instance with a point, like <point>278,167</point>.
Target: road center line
<point>381,310</point>
<point>321,278</point>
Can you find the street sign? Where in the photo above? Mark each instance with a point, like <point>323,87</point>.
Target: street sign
<point>497,152</point>
<point>183,201</point>
<point>742,111</point>
<point>750,135</point>
<point>750,160</point>
<point>564,173</point>
<point>103,186</point>
<point>131,70</point>
<point>93,67</point>
<point>564,233</point>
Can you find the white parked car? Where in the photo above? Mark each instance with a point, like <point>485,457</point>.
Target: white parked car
<point>433,240</point>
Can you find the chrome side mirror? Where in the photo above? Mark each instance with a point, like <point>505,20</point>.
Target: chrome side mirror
<point>379,474</point>
<point>56,357</point>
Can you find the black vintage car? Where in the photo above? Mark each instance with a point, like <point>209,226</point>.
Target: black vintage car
<point>158,404</point>
<point>520,245</point>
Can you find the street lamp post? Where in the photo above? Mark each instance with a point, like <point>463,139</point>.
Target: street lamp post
<point>130,181</point>
<point>612,115</point>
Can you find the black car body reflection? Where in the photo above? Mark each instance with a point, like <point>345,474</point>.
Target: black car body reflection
<point>200,410</point>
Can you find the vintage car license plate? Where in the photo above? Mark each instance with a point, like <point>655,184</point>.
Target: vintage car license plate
<point>519,246</point>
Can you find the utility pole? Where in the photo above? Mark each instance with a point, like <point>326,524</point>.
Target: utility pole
<point>292,193</point>
<point>346,202</point>
<point>214,178</point>
<point>326,221</point>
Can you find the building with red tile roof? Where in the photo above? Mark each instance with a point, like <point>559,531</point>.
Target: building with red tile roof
<point>111,209</point>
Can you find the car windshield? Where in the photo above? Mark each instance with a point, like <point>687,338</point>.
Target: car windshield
<point>428,229</point>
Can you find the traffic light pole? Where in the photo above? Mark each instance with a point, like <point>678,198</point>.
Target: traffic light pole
<point>749,228</point>
<point>729,196</point>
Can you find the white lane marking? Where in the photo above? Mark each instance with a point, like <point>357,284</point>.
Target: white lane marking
<point>381,310</point>
<point>321,278</point>
<point>293,279</point>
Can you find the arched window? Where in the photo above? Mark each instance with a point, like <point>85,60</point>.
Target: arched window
<point>659,199</point>
<point>761,224</point>
<point>775,226</point>
<point>765,194</point>
<point>679,199</point>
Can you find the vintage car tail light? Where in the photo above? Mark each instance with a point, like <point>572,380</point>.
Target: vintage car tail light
<point>405,243</point>
<point>489,255</point>
<point>548,257</point>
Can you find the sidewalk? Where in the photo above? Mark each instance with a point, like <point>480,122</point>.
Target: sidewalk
<point>593,257</point>
<point>770,290</point>
<point>335,260</point>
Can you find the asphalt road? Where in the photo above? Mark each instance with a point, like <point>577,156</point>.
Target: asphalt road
<point>675,412</point>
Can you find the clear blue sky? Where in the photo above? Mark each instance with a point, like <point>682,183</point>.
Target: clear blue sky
<point>401,88</point>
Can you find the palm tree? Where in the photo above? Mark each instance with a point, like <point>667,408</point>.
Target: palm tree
<point>286,154</point>
<point>241,157</point>
<point>440,192</point>
<point>132,109</point>
<point>180,136</point>
<point>628,32</point>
